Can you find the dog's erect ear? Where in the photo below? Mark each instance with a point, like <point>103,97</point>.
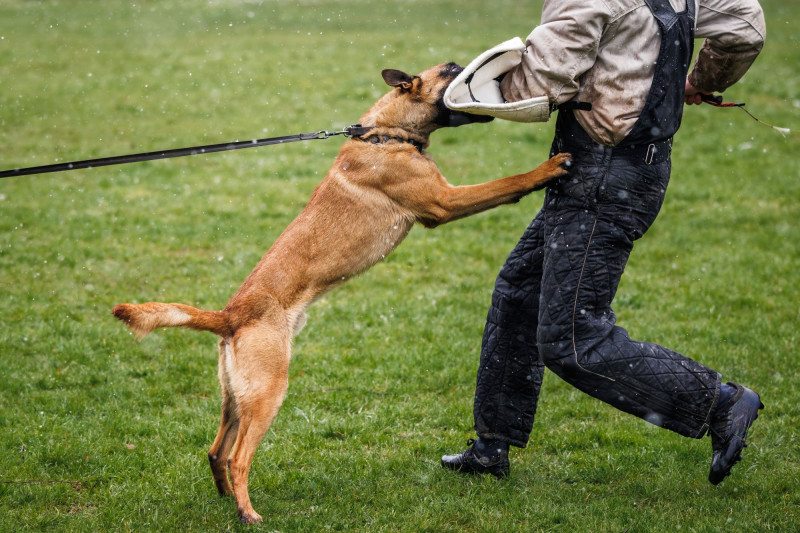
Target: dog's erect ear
<point>398,78</point>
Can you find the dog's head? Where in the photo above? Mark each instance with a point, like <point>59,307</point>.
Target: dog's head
<point>417,102</point>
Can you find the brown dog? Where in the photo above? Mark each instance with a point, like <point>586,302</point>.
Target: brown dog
<point>379,185</point>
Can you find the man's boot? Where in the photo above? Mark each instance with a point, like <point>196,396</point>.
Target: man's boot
<point>729,425</point>
<point>484,456</point>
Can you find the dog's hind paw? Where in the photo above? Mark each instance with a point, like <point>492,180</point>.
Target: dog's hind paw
<point>250,518</point>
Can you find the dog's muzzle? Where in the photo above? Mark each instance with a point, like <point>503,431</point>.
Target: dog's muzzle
<point>450,118</point>
<point>453,119</point>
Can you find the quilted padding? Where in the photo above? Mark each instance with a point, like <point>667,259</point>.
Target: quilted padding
<point>551,307</point>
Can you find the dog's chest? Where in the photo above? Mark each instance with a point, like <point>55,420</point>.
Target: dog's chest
<point>392,235</point>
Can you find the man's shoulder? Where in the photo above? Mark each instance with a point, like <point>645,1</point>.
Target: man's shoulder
<point>618,8</point>
<point>583,9</point>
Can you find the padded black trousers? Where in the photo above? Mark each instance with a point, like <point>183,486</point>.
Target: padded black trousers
<point>551,307</point>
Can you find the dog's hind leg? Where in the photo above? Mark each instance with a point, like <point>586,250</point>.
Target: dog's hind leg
<point>221,448</point>
<point>259,376</point>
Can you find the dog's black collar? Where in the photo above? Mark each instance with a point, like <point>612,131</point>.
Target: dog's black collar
<point>381,139</point>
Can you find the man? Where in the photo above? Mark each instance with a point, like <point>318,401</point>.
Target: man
<point>551,305</point>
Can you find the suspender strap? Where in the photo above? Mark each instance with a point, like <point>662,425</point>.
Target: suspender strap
<point>662,10</point>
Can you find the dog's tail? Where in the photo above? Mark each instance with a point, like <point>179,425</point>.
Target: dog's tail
<point>144,318</point>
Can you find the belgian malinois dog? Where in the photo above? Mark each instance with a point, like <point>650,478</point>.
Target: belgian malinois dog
<point>380,184</point>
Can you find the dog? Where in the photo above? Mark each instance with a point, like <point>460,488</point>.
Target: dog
<point>380,184</point>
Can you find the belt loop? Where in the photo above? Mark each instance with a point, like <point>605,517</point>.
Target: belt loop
<point>651,152</point>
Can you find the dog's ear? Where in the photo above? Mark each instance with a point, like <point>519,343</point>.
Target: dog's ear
<point>398,78</point>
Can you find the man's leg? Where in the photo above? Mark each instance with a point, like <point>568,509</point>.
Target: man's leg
<point>585,255</point>
<point>586,251</point>
<point>510,372</point>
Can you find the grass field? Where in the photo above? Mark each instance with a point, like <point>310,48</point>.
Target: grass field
<point>100,433</point>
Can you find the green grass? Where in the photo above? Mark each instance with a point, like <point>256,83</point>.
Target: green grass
<point>100,433</point>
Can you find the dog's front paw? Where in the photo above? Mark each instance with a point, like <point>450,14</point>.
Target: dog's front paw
<point>555,167</point>
<point>561,163</point>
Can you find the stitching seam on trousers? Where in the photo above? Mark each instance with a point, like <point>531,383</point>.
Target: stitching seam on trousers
<point>575,306</point>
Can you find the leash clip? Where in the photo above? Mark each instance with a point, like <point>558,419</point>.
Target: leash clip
<point>317,135</point>
<point>354,130</point>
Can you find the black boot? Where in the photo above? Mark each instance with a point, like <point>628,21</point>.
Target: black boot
<point>483,456</point>
<point>729,425</point>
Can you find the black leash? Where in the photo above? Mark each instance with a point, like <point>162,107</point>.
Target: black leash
<point>353,131</point>
<point>356,130</point>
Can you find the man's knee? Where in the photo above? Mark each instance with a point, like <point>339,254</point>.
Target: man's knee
<point>557,353</point>
<point>561,352</point>
<point>515,296</point>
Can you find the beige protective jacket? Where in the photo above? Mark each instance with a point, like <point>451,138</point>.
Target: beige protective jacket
<point>604,52</point>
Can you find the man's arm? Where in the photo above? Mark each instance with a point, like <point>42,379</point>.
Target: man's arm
<point>734,32</point>
<point>559,50</point>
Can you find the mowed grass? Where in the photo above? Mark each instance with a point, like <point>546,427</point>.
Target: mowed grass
<point>101,433</point>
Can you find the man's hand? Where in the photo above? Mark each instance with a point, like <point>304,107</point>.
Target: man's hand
<point>693,96</point>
